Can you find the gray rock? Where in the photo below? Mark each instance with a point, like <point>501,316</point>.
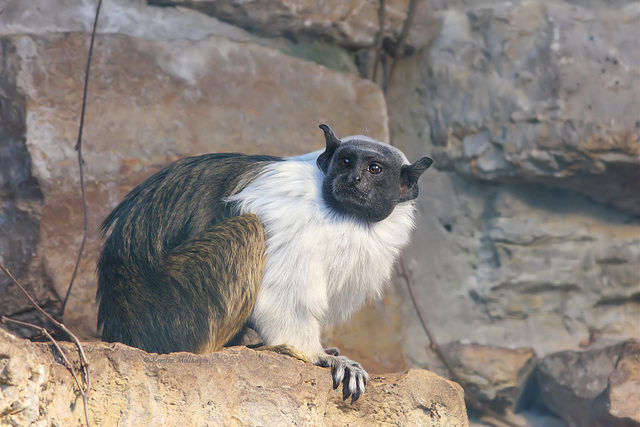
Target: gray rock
<point>496,375</point>
<point>511,259</point>
<point>20,196</point>
<point>618,403</point>
<point>581,386</point>
<point>551,90</point>
<point>545,256</point>
<point>350,23</point>
<point>135,18</point>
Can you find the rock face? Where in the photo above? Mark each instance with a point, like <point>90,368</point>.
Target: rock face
<point>528,233</point>
<point>539,91</point>
<point>595,388</point>
<point>237,386</point>
<point>514,250</point>
<point>20,196</point>
<point>496,375</point>
<point>352,23</point>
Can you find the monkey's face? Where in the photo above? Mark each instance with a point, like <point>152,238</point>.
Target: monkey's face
<point>364,179</point>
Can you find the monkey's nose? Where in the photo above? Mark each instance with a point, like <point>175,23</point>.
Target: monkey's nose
<point>353,177</point>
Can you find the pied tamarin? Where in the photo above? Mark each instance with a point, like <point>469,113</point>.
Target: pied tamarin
<point>217,243</point>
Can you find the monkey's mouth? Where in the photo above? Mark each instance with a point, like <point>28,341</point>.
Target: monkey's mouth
<point>351,195</point>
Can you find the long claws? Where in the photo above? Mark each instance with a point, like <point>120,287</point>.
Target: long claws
<point>344,370</point>
<point>346,390</point>
<point>352,389</point>
<point>338,374</point>
<point>359,389</point>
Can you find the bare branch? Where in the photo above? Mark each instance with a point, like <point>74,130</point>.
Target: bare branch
<point>67,364</point>
<point>378,41</point>
<point>61,326</point>
<point>403,38</point>
<point>80,161</point>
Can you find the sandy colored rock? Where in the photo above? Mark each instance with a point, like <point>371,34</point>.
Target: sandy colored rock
<point>238,386</point>
<point>618,404</point>
<point>496,375</point>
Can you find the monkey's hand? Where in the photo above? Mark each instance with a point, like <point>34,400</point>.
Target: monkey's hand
<point>333,351</point>
<point>344,370</point>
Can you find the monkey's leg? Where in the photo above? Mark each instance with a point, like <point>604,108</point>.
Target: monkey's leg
<point>224,265</point>
<point>292,316</point>
<point>287,350</point>
<point>196,297</point>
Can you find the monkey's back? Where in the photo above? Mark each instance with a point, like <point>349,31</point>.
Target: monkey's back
<point>173,241</point>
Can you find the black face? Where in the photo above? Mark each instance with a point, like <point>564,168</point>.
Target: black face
<point>367,179</point>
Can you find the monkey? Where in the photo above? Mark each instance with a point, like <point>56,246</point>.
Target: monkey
<point>214,244</point>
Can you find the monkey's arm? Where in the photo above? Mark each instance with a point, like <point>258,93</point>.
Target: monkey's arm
<point>344,371</point>
<point>297,334</point>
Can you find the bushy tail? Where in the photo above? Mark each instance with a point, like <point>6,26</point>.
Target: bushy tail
<point>194,298</point>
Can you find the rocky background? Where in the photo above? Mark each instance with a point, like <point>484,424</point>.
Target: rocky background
<point>525,257</point>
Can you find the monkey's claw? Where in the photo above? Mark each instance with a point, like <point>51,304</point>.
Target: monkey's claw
<point>344,370</point>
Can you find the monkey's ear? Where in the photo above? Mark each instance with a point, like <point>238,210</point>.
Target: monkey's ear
<point>409,175</point>
<point>333,142</point>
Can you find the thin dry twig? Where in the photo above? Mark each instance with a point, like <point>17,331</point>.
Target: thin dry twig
<point>61,326</point>
<point>403,39</point>
<point>83,358</point>
<point>433,345</point>
<point>84,363</point>
<point>80,161</point>
<point>67,364</point>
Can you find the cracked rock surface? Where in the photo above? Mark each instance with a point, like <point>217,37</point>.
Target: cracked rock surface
<point>237,386</point>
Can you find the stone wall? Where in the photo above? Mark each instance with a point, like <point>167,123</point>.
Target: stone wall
<point>530,234</point>
<point>528,231</point>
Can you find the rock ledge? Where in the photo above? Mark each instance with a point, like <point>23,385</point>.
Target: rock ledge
<point>237,386</point>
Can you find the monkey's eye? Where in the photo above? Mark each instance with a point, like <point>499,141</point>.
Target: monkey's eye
<point>345,161</point>
<point>375,169</point>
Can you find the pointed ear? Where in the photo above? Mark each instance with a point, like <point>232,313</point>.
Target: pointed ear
<point>333,142</point>
<point>409,175</point>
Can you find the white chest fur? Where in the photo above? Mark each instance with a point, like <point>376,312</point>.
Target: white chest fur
<point>321,265</point>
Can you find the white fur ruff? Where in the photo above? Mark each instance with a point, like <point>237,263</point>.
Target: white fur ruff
<point>321,266</point>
